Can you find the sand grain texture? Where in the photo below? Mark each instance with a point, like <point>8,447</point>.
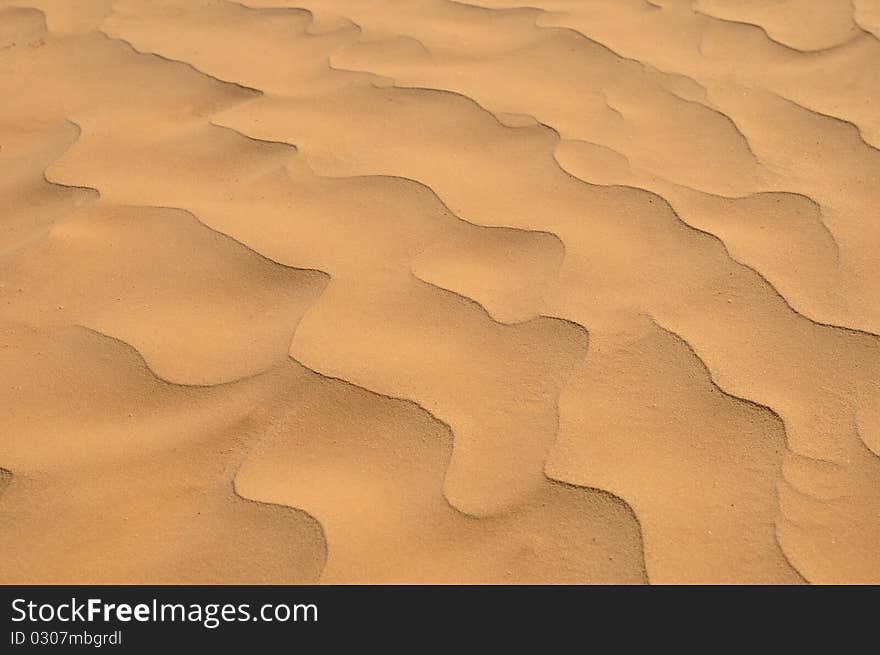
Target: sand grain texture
<point>377,291</point>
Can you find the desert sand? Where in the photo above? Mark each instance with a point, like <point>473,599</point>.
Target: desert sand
<point>425,291</point>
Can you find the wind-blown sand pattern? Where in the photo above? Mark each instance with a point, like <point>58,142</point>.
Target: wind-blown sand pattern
<point>409,291</point>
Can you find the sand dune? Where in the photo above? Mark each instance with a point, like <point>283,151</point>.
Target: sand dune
<point>356,291</point>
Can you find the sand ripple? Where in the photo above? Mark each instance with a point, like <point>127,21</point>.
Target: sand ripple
<point>434,291</point>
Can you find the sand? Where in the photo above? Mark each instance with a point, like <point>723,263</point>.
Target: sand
<point>423,291</point>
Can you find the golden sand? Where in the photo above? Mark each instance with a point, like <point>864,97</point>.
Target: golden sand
<point>432,291</point>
